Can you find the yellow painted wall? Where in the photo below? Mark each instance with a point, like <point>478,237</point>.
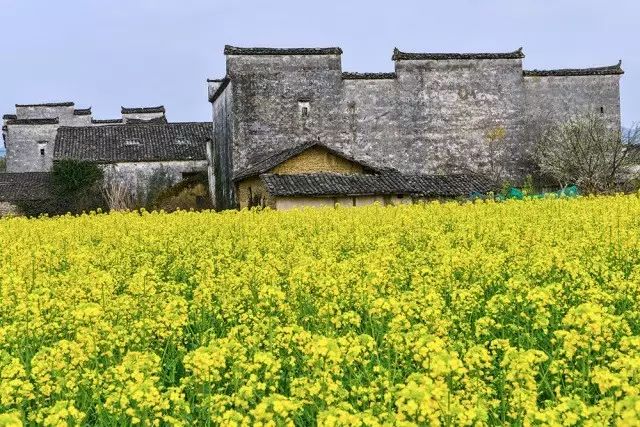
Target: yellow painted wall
<point>315,160</point>
<point>312,160</point>
<point>253,186</point>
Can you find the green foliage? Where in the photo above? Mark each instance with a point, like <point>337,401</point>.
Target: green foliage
<point>158,182</point>
<point>528,187</point>
<point>77,186</point>
<point>3,164</point>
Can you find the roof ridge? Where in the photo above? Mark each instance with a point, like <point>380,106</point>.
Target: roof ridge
<point>591,71</point>
<point>49,104</point>
<point>349,75</point>
<point>399,55</point>
<point>234,50</point>
<point>134,110</point>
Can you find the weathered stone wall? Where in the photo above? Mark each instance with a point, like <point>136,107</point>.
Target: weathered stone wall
<point>221,152</point>
<point>556,98</point>
<point>267,95</point>
<point>140,176</point>
<point>9,209</point>
<point>432,116</point>
<point>23,144</point>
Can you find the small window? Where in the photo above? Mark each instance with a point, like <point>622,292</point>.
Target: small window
<point>304,108</point>
<point>188,175</point>
<point>42,151</point>
<point>42,145</point>
<point>601,110</point>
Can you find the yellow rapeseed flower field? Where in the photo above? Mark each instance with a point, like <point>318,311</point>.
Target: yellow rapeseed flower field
<point>514,313</point>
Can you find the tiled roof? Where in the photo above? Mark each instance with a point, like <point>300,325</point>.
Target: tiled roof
<point>9,117</point>
<point>33,122</point>
<point>142,110</point>
<point>232,50</point>
<point>25,186</point>
<point>106,121</point>
<point>327,184</point>
<point>155,120</point>
<point>399,55</point>
<point>48,104</point>
<point>82,111</point>
<point>368,76</point>
<point>264,164</point>
<point>133,142</point>
<point>595,71</point>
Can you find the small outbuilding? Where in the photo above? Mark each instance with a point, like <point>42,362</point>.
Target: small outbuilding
<point>313,175</point>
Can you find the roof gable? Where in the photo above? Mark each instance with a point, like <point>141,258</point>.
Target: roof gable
<point>266,164</point>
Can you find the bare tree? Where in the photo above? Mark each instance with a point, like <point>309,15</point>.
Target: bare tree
<point>587,152</point>
<point>118,192</point>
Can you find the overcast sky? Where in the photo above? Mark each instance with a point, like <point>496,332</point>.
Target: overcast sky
<point>105,54</point>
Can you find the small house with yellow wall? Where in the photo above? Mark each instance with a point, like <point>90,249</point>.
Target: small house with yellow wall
<point>313,175</point>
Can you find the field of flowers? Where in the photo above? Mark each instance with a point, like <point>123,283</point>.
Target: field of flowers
<point>514,313</point>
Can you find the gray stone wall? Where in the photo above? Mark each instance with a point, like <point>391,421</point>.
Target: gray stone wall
<point>139,177</point>
<point>220,151</point>
<point>431,116</point>
<point>23,144</point>
<point>555,98</point>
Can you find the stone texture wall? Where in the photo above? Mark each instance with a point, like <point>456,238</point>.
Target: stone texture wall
<point>553,98</point>
<point>23,143</point>
<point>221,151</point>
<point>140,176</point>
<point>430,116</point>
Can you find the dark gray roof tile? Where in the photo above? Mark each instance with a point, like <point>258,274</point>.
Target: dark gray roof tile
<point>48,104</point>
<point>368,76</point>
<point>133,142</point>
<point>34,122</point>
<point>595,71</point>
<point>232,50</point>
<point>21,186</point>
<point>142,110</point>
<point>326,184</point>
<point>399,55</point>
<point>82,111</point>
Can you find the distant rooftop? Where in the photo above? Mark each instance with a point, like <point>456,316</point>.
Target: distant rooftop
<point>142,110</point>
<point>153,142</point>
<point>232,50</point>
<point>595,71</point>
<point>398,55</point>
<point>49,104</point>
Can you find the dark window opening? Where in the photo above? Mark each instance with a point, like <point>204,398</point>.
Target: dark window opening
<point>601,110</point>
<point>305,111</point>
<point>187,175</point>
<point>42,151</point>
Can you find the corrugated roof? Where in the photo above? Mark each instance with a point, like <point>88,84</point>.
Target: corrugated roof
<point>133,142</point>
<point>264,164</point>
<point>398,55</point>
<point>328,184</point>
<point>25,186</point>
